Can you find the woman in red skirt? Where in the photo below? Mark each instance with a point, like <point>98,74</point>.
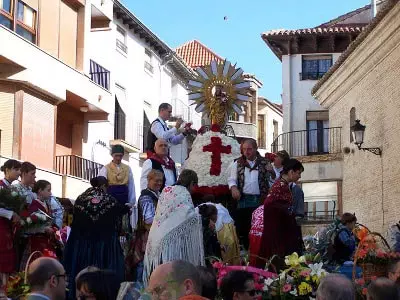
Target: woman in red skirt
<point>8,256</point>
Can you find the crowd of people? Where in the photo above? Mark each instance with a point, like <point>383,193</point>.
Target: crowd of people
<point>160,241</point>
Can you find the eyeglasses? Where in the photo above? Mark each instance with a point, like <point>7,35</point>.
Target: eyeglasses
<point>65,276</point>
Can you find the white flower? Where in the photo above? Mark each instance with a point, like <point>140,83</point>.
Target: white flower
<point>282,276</point>
<point>200,161</point>
<point>14,194</point>
<point>29,220</point>
<point>267,283</point>
<point>41,216</point>
<point>316,269</point>
<point>294,292</point>
<point>302,259</point>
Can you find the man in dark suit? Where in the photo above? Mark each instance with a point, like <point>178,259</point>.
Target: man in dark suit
<point>47,279</point>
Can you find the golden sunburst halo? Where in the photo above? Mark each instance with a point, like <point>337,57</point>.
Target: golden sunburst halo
<point>219,89</point>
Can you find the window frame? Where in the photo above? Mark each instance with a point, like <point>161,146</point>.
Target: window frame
<point>313,57</point>
<point>148,65</point>
<point>319,131</point>
<point>13,17</point>
<point>121,45</point>
<point>9,15</point>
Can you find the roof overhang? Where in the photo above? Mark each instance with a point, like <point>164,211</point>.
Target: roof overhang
<point>162,49</point>
<point>312,40</point>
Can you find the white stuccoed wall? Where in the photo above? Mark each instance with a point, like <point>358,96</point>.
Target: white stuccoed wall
<point>298,92</point>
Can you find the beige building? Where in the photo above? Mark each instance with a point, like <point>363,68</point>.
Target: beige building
<point>51,87</point>
<point>364,84</point>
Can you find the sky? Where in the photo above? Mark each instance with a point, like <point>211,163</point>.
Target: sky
<point>238,38</point>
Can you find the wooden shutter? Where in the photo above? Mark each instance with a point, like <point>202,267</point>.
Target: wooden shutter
<point>37,143</point>
<point>6,119</point>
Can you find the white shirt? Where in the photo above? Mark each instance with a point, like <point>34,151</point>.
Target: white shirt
<point>147,167</point>
<point>131,183</point>
<point>161,131</point>
<point>251,186</point>
<point>277,175</point>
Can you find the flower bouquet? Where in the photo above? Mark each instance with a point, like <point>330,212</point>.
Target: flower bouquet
<point>11,200</point>
<point>371,257</point>
<point>299,281</point>
<point>34,222</point>
<point>17,287</point>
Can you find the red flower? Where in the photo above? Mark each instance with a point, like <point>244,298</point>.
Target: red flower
<point>270,156</point>
<point>364,291</point>
<point>49,253</point>
<point>34,218</point>
<point>217,149</point>
<point>202,130</point>
<point>24,214</point>
<point>215,128</point>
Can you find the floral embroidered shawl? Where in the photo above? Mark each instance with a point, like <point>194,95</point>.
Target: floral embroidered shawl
<point>176,233</point>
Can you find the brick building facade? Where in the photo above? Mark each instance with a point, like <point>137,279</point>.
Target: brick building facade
<point>364,85</point>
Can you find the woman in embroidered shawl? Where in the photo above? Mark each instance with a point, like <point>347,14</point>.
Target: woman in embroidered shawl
<point>280,234</point>
<point>8,220</point>
<point>93,240</point>
<point>147,205</point>
<point>176,233</point>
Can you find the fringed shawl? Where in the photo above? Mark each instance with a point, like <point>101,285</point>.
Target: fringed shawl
<point>176,233</point>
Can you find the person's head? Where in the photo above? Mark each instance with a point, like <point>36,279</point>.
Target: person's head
<point>99,182</point>
<point>349,220</point>
<point>84,271</point>
<point>209,211</point>
<point>382,289</point>
<point>208,282</point>
<point>188,178</point>
<point>165,111</point>
<point>161,148</point>
<point>11,169</point>
<point>394,270</point>
<point>155,180</point>
<point>47,276</point>
<point>42,188</point>
<point>238,285</point>
<point>174,280</point>
<point>249,149</point>
<point>292,170</point>
<point>98,285</point>
<point>335,287</point>
<point>117,153</point>
<point>281,158</point>
<point>28,173</point>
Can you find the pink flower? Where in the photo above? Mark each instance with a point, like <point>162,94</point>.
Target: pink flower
<point>364,291</point>
<point>380,253</point>
<point>286,288</point>
<point>218,265</point>
<point>362,253</point>
<point>360,281</point>
<point>305,273</point>
<point>373,278</point>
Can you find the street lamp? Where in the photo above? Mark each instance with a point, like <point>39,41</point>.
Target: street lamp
<point>357,131</point>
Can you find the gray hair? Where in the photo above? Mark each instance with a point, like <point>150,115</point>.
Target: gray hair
<point>183,270</point>
<point>335,287</point>
<point>187,177</point>
<point>383,289</point>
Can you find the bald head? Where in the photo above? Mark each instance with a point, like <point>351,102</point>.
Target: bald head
<point>184,275</point>
<point>41,270</point>
<point>335,287</point>
<point>161,147</point>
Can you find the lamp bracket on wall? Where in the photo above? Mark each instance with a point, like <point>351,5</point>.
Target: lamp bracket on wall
<point>376,151</point>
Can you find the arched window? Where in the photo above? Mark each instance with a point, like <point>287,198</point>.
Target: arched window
<point>352,121</point>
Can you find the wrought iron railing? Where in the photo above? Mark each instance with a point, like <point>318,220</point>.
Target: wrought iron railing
<point>77,166</point>
<point>325,215</point>
<point>309,142</point>
<point>311,75</point>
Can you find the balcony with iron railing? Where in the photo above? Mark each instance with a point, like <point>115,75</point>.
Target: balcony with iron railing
<point>77,166</point>
<point>320,211</point>
<point>309,142</point>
